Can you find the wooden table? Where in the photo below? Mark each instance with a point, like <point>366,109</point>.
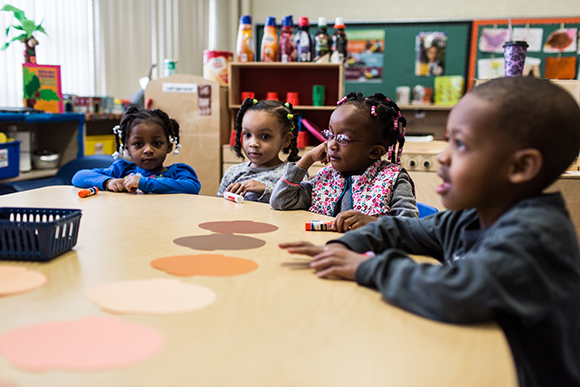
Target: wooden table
<point>276,326</point>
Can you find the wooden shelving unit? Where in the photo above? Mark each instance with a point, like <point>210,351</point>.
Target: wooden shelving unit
<point>282,78</point>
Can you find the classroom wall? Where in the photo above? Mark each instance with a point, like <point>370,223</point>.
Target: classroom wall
<point>413,9</point>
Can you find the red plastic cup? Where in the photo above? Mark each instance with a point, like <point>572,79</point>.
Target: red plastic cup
<point>247,94</point>
<point>302,140</point>
<point>232,137</point>
<point>292,97</point>
<point>273,96</point>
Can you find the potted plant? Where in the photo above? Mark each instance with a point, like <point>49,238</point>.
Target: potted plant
<point>27,27</point>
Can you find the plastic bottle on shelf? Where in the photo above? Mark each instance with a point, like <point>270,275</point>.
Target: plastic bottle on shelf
<point>304,42</point>
<point>269,52</point>
<point>321,41</point>
<point>287,47</point>
<point>339,42</point>
<point>245,44</point>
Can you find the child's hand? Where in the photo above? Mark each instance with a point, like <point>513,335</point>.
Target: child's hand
<point>116,185</point>
<point>320,153</point>
<point>303,248</point>
<point>335,261</point>
<point>317,154</point>
<point>131,183</point>
<point>247,186</point>
<point>351,219</point>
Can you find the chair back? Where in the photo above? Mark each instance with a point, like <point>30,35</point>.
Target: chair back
<point>426,210</point>
<point>67,171</point>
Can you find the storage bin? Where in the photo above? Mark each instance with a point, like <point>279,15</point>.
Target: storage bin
<point>9,159</point>
<point>100,145</point>
<point>37,234</point>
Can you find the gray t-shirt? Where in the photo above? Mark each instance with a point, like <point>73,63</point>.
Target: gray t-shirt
<point>243,172</point>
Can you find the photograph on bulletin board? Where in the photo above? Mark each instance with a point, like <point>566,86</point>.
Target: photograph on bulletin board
<point>430,53</point>
<point>365,55</point>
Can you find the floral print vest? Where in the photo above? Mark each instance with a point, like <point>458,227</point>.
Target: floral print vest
<point>371,192</point>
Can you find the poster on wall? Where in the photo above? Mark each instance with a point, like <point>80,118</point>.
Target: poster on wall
<point>365,56</point>
<point>492,39</point>
<point>533,36</point>
<point>430,50</point>
<point>42,87</point>
<point>562,40</point>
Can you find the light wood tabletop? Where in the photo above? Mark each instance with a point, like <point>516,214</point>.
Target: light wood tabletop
<point>277,326</point>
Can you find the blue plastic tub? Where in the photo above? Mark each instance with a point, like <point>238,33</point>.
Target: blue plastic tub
<point>9,159</point>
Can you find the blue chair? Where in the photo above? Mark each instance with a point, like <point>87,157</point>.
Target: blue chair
<point>63,176</point>
<point>426,210</point>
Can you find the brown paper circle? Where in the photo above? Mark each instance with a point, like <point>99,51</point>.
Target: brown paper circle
<point>239,227</point>
<point>219,242</point>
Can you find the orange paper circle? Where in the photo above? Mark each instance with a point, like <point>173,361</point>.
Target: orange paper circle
<point>204,264</point>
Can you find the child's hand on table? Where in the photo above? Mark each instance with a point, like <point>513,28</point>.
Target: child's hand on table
<point>115,185</point>
<point>247,186</point>
<point>332,260</point>
<point>351,219</point>
<point>131,183</point>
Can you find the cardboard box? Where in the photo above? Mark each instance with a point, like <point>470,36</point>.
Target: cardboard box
<point>9,159</point>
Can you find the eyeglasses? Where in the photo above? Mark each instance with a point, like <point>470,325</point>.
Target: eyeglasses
<point>341,139</point>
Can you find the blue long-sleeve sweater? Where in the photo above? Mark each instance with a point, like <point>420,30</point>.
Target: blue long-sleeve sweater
<point>178,178</point>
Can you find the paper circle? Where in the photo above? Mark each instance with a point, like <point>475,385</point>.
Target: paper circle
<point>154,296</point>
<point>239,227</point>
<point>90,344</point>
<point>220,242</point>
<point>18,279</point>
<point>204,264</point>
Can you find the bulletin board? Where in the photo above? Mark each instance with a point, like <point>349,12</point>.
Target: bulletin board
<point>400,55</point>
<point>548,25</point>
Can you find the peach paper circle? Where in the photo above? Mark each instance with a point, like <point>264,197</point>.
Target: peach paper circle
<point>18,279</point>
<point>239,227</point>
<point>220,242</point>
<point>204,264</point>
<point>90,344</point>
<point>154,296</point>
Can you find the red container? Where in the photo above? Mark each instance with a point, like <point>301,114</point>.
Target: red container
<point>292,97</point>
<point>273,96</point>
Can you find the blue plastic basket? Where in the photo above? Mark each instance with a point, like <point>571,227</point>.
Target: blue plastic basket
<point>37,234</point>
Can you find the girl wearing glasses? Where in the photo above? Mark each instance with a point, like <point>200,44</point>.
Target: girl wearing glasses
<point>359,185</point>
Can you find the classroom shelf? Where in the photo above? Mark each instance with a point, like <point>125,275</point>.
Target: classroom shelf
<point>282,78</point>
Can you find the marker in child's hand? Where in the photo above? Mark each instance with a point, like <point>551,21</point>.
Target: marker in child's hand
<point>83,193</point>
<point>233,197</point>
<point>320,225</point>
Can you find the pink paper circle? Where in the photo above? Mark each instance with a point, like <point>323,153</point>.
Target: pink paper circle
<point>90,344</point>
<point>18,279</point>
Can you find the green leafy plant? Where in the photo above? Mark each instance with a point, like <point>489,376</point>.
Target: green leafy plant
<point>26,26</point>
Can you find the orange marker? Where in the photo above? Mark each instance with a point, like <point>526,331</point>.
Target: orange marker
<point>83,193</point>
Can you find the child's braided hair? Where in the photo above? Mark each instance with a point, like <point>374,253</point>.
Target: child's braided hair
<point>134,116</point>
<point>282,111</point>
<point>388,125</point>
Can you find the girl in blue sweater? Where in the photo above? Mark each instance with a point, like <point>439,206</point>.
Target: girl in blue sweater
<point>146,136</point>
